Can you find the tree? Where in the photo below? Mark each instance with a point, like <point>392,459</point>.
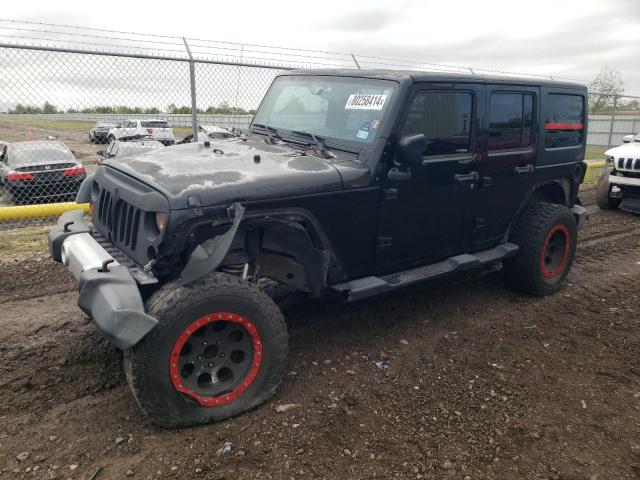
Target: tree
<point>607,84</point>
<point>49,108</point>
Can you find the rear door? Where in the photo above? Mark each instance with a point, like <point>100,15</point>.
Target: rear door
<point>508,162</point>
<point>429,216</point>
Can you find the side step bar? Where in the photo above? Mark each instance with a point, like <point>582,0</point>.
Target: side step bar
<point>369,286</point>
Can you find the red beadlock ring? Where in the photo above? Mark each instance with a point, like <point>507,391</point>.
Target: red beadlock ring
<point>567,244</point>
<point>256,342</point>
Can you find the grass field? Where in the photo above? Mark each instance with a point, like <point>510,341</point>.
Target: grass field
<point>71,125</point>
<point>594,152</point>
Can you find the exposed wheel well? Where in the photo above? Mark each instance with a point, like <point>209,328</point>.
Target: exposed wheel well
<point>552,192</point>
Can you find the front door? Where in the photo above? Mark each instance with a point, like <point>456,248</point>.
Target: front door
<point>429,215</point>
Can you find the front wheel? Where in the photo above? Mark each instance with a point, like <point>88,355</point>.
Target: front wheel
<point>603,194</point>
<point>547,234</point>
<point>219,349</point>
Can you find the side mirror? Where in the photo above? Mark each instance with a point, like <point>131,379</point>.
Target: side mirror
<point>627,138</point>
<point>410,148</point>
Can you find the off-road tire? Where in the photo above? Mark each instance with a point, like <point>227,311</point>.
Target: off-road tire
<point>603,194</point>
<point>147,364</point>
<point>537,225</point>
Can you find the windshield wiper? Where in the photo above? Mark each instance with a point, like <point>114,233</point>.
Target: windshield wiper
<point>320,146</point>
<point>272,133</point>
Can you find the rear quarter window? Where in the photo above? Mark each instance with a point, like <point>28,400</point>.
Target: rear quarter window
<point>155,124</point>
<point>564,120</point>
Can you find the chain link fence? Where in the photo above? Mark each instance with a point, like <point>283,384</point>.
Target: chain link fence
<point>71,97</point>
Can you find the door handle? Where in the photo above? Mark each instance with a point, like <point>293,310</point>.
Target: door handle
<point>466,177</point>
<point>525,169</point>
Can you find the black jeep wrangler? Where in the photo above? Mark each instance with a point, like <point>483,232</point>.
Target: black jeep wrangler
<point>348,184</point>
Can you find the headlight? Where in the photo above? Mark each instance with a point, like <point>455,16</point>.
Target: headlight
<point>610,161</point>
<point>161,220</point>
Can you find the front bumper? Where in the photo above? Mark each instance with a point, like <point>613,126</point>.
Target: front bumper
<point>107,290</point>
<point>618,180</point>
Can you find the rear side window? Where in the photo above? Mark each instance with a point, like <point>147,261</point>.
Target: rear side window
<point>564,120</point>
<point>445,120</point>
<point>155,124</point>
<point>510,120</point>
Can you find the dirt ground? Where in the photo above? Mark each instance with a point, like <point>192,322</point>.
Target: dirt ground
<point>482,383</point>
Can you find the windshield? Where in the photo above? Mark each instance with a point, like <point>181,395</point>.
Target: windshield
<point>133,148</point>
<point>335,108</point>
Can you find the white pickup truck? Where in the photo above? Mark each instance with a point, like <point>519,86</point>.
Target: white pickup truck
<point>160,130</point>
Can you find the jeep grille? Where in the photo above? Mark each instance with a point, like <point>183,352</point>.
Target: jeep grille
<point>628,164</point>
<point>120,220</point>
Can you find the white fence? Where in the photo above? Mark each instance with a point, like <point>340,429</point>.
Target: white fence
<point>175,120</point>
<point>606,130</point>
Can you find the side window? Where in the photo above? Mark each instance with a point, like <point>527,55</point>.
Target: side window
<point>510,120</point>
<point>564,120</point>
<point>133,124</point>
<point>445,120</point>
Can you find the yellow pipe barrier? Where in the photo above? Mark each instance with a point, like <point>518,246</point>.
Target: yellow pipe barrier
<point>594,170</point>
<point>42,210</point>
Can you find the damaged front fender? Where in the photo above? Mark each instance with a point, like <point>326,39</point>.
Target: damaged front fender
<point>208,256</point>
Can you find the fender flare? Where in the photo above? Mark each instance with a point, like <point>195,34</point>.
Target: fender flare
<point>84,192</point>
<point>563,184</point>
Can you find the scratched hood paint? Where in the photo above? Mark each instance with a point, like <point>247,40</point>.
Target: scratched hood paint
<point>227,172</point>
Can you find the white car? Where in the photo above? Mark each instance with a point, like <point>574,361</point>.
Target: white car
<point>619,187</point>
<point>100,132</point>
<point>211,132</point>
<point>160,130</point>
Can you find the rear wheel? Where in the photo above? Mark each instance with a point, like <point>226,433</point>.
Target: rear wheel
<point>218,350</point>
<point>603,194</point>
<point>547,235</point>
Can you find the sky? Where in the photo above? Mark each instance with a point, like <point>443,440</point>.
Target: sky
<point>563,38</point>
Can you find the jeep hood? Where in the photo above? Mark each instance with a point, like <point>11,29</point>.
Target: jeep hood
<point>235,170</point>
<point>626,150</point>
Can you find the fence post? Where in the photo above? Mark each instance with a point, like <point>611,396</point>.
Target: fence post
<point>613,119</point>
<point>355,61</point>
<point>194,104</point>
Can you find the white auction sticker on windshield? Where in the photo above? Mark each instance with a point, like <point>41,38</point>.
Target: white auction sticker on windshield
<point>360,101</point>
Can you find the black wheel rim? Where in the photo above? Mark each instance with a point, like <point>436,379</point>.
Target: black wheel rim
<point>216,358</point>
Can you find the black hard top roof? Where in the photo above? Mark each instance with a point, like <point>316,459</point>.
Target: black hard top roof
<point>420,76</point>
